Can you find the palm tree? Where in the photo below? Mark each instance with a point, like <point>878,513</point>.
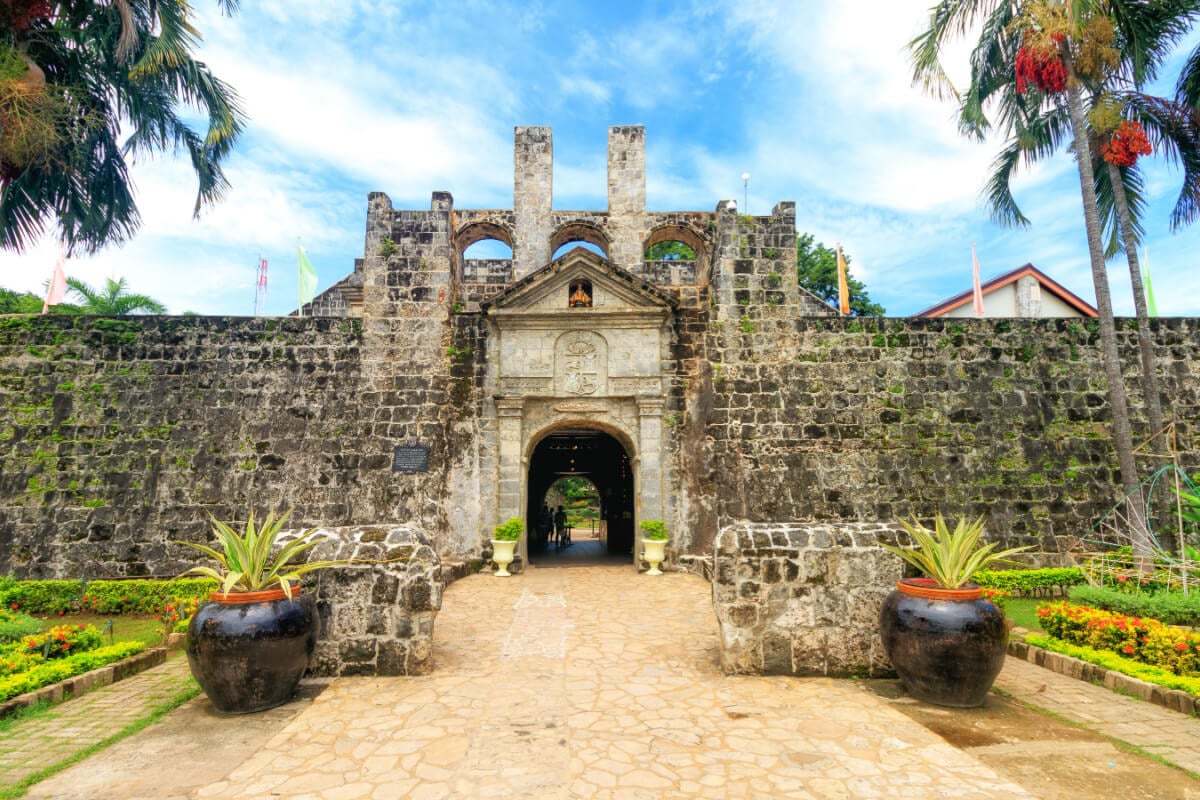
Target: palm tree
<point>1039,129</point>
<point>83,87</point>
<point>113,300</point>
<point>993,64</point>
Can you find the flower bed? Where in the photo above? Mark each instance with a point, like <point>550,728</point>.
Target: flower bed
<point>49,672</point>
<point>1140,639</point>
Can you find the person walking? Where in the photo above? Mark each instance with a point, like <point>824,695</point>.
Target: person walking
<point>560,527</point>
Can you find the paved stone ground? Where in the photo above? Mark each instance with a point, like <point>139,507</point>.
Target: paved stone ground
<point>1172,736</point>
<point>30,746</point>
<point>598,683</point>
<point>582,682</point>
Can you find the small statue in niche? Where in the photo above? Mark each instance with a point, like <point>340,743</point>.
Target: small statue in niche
<point>581,295</point>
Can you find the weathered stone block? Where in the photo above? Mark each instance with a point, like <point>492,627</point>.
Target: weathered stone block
<point>818,617</point>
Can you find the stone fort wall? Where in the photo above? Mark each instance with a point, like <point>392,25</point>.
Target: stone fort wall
<point>121,435</point>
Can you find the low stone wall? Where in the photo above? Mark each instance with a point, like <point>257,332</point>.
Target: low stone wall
<point>803,598</point>
<point>377,612</point>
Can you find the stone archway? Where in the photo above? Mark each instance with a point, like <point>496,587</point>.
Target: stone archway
<point>599,457</point>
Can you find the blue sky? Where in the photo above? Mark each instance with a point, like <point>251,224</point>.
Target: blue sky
<point>813,99</point>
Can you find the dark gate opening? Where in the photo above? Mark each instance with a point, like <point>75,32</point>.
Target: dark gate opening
<point>596,457</point>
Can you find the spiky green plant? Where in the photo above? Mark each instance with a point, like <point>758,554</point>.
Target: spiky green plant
<point>247,562</point>
<point>950,558</point>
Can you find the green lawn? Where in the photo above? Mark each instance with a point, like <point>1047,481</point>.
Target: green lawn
<point>124,628</point>
<point>1023,612</point>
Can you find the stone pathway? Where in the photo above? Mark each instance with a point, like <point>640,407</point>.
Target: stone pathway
<point>30,746</point>
<point>587,682</point>
<point>1173,736</point>
<point>598,683</point>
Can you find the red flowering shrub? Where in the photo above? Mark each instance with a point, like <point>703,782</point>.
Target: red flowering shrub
<point>1041,66</point>
<point>1127,142</point>
<point>61,641</point>
<point>1140,638</point>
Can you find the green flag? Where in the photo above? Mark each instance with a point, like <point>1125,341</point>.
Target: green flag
<point>307,280</point>
<point>1153,306</point>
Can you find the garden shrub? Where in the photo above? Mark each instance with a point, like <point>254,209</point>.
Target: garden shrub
<point>1139,638</point>
<point>1173,608</point>
<point>1113,661</point>
<point>1029,581</point>
<point>136,596</point>
<point>14,625</point>
<point>61,641</point>
<point>61,669</point>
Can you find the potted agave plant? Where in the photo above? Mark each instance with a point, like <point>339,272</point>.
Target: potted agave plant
<point>944,638</point>
<point>654,543</point>
<point>250,643</point>
<point>504,542</point>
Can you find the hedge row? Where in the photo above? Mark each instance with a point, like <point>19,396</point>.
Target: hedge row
<point>1173,608</point>
<point>1030,581</point>
<point>55,671</point>
<point>100,597</point>
<point>1113,661</point>
<point>14,625</point>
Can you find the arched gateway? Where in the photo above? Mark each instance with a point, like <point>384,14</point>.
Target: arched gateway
<point>580,380</point>
<point>599,457</point>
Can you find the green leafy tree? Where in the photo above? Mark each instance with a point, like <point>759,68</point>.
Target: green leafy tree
<point>670,251</point>
<point>816,267</point>
<point>84,86</point>
<point>19,302</point>
<point>113,300</point>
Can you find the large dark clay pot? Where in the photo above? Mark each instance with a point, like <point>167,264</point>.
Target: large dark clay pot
<point>248,651</point>
<point>947,645</point>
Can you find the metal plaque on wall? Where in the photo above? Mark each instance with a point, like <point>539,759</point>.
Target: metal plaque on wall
<point>410,457</point>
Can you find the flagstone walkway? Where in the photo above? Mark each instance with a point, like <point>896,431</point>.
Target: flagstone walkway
<point>588,682</point>
<point>598,683</point>
<point>30,746</point>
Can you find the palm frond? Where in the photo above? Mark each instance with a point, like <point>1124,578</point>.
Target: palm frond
<point>998,197</point>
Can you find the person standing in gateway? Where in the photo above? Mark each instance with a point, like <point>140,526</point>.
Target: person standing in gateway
<point>560,527</point>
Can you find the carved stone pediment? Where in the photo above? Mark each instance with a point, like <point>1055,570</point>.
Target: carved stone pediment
<point>609,289</point>
<point>579,328</point>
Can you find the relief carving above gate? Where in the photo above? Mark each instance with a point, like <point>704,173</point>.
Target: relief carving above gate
<point>581,364</point>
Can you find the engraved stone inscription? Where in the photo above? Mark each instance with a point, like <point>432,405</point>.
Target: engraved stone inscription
<point>635,385</point>
<point>581,407</point>
<point>519,385</point>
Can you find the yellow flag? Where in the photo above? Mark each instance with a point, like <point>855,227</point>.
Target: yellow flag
<point>843,287</point>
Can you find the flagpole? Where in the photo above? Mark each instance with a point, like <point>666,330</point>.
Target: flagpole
<point>976,288</point>
<point>299,281</point>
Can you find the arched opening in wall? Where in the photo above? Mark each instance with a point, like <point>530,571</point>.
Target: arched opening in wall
<point>485,253</point>
<point>589,474</point>
<point>675,255</point>
<point>578,234</point>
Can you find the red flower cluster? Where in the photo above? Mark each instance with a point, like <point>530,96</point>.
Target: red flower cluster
<point>1127,142</point>
<point>1042,67</point>
<point>20,14</point>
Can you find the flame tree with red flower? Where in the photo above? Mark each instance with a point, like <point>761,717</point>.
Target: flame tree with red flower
<point>1104,44</point>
